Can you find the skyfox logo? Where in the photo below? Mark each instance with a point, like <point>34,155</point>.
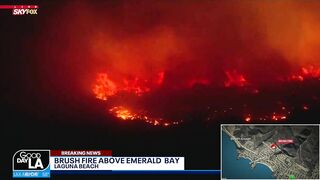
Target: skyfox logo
<point>24,11</point>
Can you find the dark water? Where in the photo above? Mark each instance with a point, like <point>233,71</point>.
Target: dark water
<point>240,169</point>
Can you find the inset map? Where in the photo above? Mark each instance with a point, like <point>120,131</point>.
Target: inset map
<point>270,151</point>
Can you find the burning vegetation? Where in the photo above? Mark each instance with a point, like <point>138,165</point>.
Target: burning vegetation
<point>258,61</point>
<point>126,114</point>
<point>235,84</point>
<point>308,72</point>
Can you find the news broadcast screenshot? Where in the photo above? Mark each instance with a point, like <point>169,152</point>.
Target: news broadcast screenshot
<point>160,89</point>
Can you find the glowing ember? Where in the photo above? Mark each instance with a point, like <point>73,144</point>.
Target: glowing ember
<point>309,72</point>
<point>277,117</point>
<point>297,78</point>
<point>247,119</point>
<point>126,114</point>
<point>235,79</point>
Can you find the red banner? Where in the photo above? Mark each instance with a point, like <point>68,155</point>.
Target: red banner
<point>80,153</point>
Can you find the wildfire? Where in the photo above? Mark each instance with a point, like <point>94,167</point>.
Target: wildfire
<point>160,79</point>
<point>248,118</point>
<point>277,117</point>
<point>273,117</point>
<point>122,113</point>
<point>235,79</point>
<point>104,87</point>
<point>135,86</point>
<point>309,72</point>
<point>126,114</point>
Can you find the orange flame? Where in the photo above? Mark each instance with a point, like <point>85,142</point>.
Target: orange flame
<point>122,113</point>
<point>126,114</point>
<point>104,87</point>
<point>247,119</point>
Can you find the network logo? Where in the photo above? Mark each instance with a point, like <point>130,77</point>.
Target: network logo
<point>31,163</point>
